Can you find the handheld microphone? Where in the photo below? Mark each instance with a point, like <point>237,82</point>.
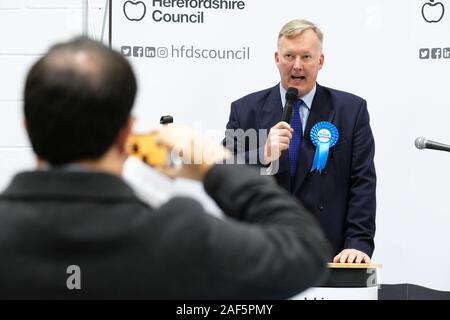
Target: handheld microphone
<point>422,143</point>
<point>291,96</point>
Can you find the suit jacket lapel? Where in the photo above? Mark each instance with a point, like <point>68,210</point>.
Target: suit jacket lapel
<point>272,110</point>
<point>269,116</point>
<point>321,110</point>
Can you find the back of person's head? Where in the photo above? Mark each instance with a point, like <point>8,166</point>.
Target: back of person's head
<point>77,98</point>
<point>296,27</point>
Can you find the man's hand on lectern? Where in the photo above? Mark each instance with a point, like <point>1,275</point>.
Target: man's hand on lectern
<point>351,256</point>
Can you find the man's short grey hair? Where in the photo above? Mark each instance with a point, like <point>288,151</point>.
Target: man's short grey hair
<point>296,27</point>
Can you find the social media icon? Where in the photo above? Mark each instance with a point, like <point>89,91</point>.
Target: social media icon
<point>424,53</point>
<point>150,52</point>
<point>163,52</point>
<point>436,53</point>
<point>446,53</point>
<point>126,51</point>
<point>138,51</point>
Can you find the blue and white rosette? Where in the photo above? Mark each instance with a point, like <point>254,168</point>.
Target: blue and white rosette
<point>324,135</point>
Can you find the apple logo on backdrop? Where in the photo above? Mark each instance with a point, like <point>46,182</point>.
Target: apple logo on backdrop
<point>134,11</point>
<point>433,11</point>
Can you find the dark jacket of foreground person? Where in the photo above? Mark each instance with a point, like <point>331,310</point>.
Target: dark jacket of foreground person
<point>50,220</point>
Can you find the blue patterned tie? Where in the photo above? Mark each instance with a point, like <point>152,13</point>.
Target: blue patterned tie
<point>294,145</point>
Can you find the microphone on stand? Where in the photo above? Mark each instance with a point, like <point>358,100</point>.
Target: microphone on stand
<point>423,143</point>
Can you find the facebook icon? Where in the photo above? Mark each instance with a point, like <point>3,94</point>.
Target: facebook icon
<point>138,51</point>
<point>436,53</point>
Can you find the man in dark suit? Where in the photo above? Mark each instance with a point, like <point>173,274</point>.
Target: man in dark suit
<point>341,193</point>
<point>74,229</point>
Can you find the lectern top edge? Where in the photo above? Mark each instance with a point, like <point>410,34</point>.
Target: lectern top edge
<point>355,265</point>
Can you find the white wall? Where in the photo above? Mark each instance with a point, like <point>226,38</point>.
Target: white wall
<point>371,48</point>
<point>27,29</point>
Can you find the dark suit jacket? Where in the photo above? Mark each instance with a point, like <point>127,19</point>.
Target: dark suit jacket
<point>343,196</point>
<point>50,220</point>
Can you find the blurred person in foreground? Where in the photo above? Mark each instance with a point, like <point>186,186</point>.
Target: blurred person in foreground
<point>73,229</point>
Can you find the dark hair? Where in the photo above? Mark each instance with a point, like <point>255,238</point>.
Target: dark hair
<point>77,98</point>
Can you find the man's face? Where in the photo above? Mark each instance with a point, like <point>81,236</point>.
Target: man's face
<point>299,60</point>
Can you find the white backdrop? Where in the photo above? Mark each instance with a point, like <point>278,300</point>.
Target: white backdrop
<point>371,49</point>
